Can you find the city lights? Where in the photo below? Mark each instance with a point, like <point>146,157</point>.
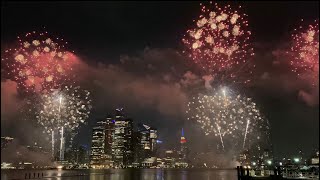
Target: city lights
<point>269,162</point>
<point>213,90</point>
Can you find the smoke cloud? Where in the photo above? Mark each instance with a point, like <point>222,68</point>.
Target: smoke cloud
<point>17,153</point>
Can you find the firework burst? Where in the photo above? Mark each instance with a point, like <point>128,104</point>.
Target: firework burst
<point>219,42</point>
<point>227,116</point>
<point>305,50</point>
<point>39,62</point>
<point>67,107</point>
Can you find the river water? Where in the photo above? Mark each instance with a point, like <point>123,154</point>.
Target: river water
<point>122,174</point>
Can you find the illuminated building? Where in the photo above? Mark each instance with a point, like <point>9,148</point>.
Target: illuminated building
<point>153,141</point>
<point>147,140</point>
<point>36,148</point>
<point>301,156</point>
<point>244,158</point>
<point>314,160</point>
<point>77,155</point>
<point>183,153</point>
<point>267,155</point>
<point>97,146</point>
<point>82,155</point>
<point>71,149</point>
<point>144,149</point>
<point>169,159</point>
<point>101,152</point>
<point>70,140</point>
<point>122,145</point>
<point>109,130</point>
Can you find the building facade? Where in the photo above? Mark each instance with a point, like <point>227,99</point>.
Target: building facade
<point>146,146</point>
<point>122,145</point>
<point>101,147</point>
<point>183,153</point>
<point>97,145</point>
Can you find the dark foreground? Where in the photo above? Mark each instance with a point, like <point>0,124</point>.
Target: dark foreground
<point>123,174</point>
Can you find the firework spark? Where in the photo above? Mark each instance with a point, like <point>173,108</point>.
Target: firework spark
<point>305,50</point>
<point>39,62</point>
<point>67,107</point>
<point>219,43</point>
<point>226,115</point>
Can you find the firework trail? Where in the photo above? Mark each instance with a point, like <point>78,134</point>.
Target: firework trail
<point>305,50</point>
<point>246,132</point>
<point>66,107</point>
<point>219,43</point>
<point>227,116</point>
<point>219,130</point>
<point>63,109</point>
<point>38,62</point>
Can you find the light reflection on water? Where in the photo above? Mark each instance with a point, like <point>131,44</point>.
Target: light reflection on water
<point>123,174</point>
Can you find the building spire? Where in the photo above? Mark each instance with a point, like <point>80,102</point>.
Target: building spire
<point>182,140</point>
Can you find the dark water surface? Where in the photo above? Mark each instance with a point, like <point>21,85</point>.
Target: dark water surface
<point>123,174</point>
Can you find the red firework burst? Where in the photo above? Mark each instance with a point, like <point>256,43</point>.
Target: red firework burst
<point>219,43</point>
<point>305,50</point>
<point>39,62</point>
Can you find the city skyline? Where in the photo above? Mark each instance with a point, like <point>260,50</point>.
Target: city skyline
<point>131,56</point>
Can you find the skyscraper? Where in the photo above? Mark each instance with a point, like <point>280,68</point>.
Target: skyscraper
<point>101,148</point>
<point>146,142</point>
<point>109,131</point>
<point>81,154</point>
<point>153,141</point>
<point>183,150</point>
<point>70,135</point>
<point>98,145</point>
<point>183,162</point>
<point>122,145</point>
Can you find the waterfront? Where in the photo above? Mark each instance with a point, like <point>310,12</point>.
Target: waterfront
<point>124,174</point>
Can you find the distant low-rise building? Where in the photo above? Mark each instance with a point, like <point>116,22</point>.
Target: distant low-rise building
<point>5,141</point>
<point>169,159</point>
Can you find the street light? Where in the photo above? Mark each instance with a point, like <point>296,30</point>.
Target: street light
<point>296,160</point>
<point>269,162</point>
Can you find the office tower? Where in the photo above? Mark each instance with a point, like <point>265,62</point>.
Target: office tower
<point>153,141</point>
<point>122,145</point>
<point>109,131</point>
<point>101,148</point>
<point>81,154</point>
<point>70,135</point>
<point>147,140</point>
<point>184,148</point>
<point>98,145</point>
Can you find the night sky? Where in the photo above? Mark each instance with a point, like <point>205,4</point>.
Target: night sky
<point>103,32</point>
